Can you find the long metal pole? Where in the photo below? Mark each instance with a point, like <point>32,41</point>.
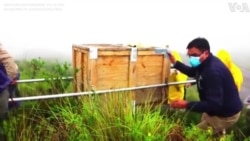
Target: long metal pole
<point>97,92</point>
<point>41,80</point>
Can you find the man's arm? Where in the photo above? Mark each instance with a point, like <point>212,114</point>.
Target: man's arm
<point>213,96</point>
<point>191,72</point>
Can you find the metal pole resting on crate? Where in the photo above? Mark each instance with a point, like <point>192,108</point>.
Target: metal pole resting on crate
<point>41,80</point>
<point>96,92</point>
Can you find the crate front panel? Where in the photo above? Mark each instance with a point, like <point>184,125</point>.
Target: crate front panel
<point>149,72</point>
<point>112,72</point>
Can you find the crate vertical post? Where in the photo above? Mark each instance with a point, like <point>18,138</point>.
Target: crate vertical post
<point>132,76</point>
<point>165,73</point>
<point>78,58</point>
<point>92,68</point>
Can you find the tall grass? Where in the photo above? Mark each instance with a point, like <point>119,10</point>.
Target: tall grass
<point>106,117</point>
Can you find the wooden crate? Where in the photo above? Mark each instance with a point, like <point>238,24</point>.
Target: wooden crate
<point>107,66</point>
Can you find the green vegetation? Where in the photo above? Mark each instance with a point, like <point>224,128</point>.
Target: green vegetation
<point>107,117</point>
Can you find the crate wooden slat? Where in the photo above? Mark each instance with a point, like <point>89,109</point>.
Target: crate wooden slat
<point>113,68</point>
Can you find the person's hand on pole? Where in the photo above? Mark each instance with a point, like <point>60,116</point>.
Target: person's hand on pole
<point>182,104</point>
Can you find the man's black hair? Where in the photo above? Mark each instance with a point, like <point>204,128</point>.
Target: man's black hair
<point>199,43</point>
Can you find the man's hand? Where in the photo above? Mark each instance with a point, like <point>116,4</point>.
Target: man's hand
<point>171,58</point>
<point>179,104</point>
<point>188,85</point>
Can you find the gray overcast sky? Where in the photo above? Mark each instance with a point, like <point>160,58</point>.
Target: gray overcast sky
<point>50,27</point>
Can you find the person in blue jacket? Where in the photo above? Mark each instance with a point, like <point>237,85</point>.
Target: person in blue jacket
<point>4,94</point>
<point>5,81</point>
<point>10,68</point>
<point>219,102</point>
<point>9,74</point>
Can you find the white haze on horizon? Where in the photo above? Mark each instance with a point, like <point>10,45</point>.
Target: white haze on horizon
<point>31,32</point>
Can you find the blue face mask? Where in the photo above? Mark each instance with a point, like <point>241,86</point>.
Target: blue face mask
<point>194,61</point>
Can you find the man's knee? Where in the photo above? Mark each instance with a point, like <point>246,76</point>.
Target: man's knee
<point>218,124</point>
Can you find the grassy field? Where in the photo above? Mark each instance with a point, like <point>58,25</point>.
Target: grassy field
<point>110,117</point>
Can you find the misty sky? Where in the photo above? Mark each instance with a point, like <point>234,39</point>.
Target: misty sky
<point>50,27</point>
